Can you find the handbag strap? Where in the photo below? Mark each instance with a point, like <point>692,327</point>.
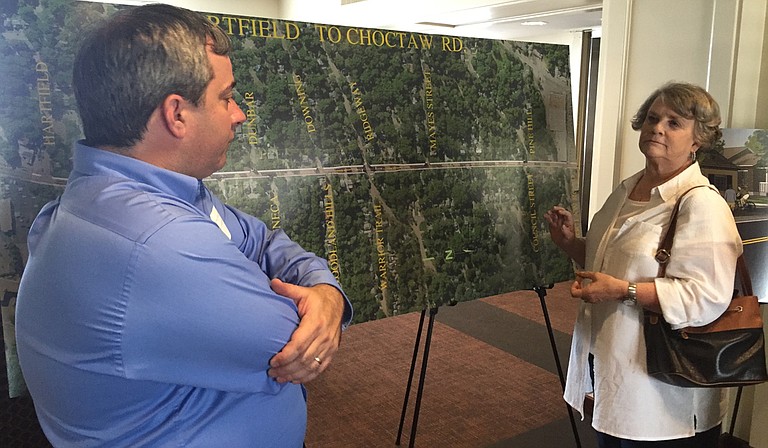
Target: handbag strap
<point>664,252</point>
<point>743,272</point>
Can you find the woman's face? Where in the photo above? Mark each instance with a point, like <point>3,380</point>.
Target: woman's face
<point>666,138</point>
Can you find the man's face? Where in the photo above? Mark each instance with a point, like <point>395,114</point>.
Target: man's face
<point>215,121</point>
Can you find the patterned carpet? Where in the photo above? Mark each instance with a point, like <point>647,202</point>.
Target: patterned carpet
<point>491,379</point>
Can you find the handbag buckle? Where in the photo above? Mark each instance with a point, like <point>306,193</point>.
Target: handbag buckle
<point>662,256</point>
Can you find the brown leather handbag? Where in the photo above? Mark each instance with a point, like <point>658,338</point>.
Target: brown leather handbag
<point>727,352</point>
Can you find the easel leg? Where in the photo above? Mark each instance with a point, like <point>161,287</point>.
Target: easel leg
<point>427,344</point>
<point>735,410</point>
<point>422,376</point>
<point>542,292</point>
<point>410,375</point>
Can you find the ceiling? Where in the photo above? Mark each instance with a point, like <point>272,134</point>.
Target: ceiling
<point>498,19</point>
<point>554,20</point>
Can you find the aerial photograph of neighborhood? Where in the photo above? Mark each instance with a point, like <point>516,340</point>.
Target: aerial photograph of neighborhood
<point>418,165</point>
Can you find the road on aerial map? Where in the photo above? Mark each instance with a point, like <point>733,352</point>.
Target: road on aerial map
<point>386,168</point>
<point>20,174</point>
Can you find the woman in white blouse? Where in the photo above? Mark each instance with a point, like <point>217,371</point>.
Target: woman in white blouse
<point>618,279</point>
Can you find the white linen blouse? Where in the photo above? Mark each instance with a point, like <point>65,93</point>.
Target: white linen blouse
<point>696,289</point>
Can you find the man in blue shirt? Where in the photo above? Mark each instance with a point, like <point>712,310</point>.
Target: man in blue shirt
<point>150,313</point>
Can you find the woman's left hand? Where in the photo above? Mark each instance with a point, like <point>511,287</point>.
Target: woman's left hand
<point>593,287</point>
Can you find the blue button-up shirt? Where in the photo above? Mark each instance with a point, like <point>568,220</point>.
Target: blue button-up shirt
<point>145,316</point>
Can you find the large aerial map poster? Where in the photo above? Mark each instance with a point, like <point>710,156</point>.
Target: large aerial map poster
<point>418,165</point>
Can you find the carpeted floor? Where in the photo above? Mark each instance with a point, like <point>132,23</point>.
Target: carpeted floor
<point>491,379</point>
<point>491,382</point>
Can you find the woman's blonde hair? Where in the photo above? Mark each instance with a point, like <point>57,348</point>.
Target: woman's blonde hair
<point>689,101</point>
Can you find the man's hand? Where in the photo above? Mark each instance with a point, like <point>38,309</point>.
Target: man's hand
<point>315,341</point>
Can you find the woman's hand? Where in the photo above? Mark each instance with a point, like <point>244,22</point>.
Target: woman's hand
<point>562,230</point>
<point>593,287</point>
<point>561,226</point>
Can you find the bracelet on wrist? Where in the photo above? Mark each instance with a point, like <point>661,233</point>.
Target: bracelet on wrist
<point>630,299</point>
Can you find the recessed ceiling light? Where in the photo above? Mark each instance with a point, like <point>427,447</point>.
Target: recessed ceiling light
<point>436,24</point>
<point>534,23</point>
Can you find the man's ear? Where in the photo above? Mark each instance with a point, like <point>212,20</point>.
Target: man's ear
<point>173,111</point>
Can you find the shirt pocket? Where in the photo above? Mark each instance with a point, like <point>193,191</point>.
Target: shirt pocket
<point>631,253</point>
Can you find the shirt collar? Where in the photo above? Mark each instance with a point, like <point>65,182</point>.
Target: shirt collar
<point>671,188</point>
<point>680,183</point>
<point>90,161</point>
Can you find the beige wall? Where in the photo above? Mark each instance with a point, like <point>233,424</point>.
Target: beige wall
<point>646,43</point>
<point>721,45</point>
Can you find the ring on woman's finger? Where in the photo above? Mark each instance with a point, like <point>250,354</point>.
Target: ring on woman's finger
<point>319,361</point>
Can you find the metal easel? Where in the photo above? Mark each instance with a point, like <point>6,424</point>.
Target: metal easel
<point>542,292</point>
